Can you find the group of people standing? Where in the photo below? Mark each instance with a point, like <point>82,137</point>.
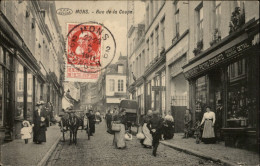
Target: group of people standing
<point>38,127</point>
<point>154,128</point>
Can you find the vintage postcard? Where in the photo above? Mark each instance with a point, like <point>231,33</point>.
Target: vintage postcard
<point>129,83</point>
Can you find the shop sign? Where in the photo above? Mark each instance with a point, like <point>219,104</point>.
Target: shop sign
<point>218,59</point>
<point>158,88</point>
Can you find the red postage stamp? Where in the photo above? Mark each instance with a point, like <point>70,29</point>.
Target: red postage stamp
<point>83,51</point>
<point>90,48</point>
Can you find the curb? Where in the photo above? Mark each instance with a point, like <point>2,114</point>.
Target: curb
<point>49,153</point>
<point>198,154</point>
<point>195,153</point>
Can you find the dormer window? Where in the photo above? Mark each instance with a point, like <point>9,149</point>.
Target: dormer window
<point>120,69</point>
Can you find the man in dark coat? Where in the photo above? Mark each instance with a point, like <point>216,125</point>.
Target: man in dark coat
<point>108,120</point>
<point>91,117</point>
<point>155,126</point>
<point>39,124</point>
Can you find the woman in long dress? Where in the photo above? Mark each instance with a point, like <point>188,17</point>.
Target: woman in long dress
<point>208,135</point>
<point>119,137</point>
<point>147,142</point>
<point>39,123</point>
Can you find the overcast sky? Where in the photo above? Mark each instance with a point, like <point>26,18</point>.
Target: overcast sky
<point>116,23</point>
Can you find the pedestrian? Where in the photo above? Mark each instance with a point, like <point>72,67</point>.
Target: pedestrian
<point>98,117</point>
<point>91,118</point>
<point>108,118</point>
<point>218,124</point>
<point>26,131</point>
<point>147,141</point>
<point>168,127</point>
<point>39,124</point>
<point>187,123</point>
<point>47,109</point>
<point>119,136</point>
<point>208,135</point>
<point>155,126</point>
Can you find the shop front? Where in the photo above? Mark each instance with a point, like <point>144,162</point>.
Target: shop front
<point>155,91</point>
<point>226,77</point>
<point>18,77</point>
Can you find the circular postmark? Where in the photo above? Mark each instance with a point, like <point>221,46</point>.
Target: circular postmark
<point>91,46</point>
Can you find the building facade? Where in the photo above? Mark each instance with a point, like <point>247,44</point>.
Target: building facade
<point>199,53</point>
<point>111,86</point>
<point>223,67</point>
<point>136,55</point>
<point>31,50</point>
<point>176,57</point>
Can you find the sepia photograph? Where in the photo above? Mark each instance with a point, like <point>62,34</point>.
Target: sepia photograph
<point>129,83</point>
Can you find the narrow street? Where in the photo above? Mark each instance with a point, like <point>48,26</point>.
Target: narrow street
<point>99,151</point>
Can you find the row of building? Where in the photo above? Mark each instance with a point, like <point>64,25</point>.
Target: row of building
<point>190,54</point>
<point>31,62</point>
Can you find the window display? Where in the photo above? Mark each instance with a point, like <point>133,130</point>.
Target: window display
<point>1,96</point>
<point>19,90</point>
<point>238,98</point>
<point>201,96</point>
<point>29,96</point>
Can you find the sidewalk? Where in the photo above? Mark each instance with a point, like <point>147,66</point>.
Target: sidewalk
<point>216,152</point>
<point>18,153</point>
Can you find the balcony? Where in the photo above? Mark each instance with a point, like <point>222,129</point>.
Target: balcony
<point>199,48</point>
<point>237,20</point>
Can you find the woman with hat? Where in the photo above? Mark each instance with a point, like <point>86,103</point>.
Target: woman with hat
<point>119,136</point>
<point>208,135</point>
<point>39,123</point>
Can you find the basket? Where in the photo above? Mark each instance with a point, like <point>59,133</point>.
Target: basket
<point>116,127</point>
<point>128,137</point>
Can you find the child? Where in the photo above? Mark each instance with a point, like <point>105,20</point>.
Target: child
<point>26,131</point>
<point>187,123</point>
<point>197,132</point>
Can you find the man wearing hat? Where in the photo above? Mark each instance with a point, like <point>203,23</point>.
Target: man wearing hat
<point>39,123</point>
<point>155,126</point>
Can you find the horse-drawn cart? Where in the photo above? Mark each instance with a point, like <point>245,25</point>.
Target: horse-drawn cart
<point>73,121</point>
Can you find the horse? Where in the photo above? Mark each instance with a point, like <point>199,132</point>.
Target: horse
<point>73,124</point>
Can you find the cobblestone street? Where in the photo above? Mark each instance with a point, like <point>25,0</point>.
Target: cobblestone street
<point>99,151</point>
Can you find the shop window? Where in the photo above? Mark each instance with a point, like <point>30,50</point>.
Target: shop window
<point>239,101</point>
<point>1,96</point>
<point>201,96</point>
<point>19,93</point>
<point>29,96</point>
